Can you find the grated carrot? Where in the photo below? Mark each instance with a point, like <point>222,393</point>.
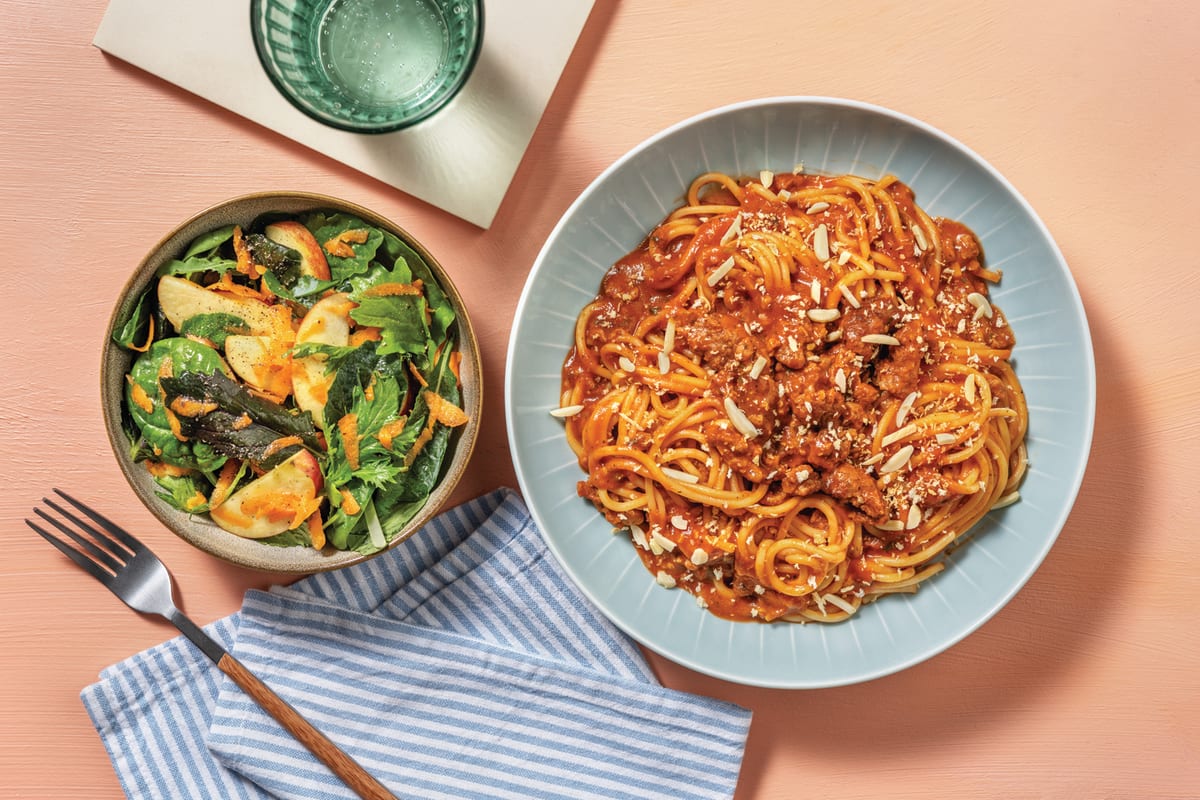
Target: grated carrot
<point>187,407</point>
<point>316,530</point>
<point>223,284</point>
<point>220,492</point>
<point>390,431</point>
<point>236,289</point>
<point>149,339</point>
<point>161,469</point>
<point>417,374</point>
<point>348,427</point>
<point>395,289</point>
<point>444,411</point>
<point>139,397</point>
<point>349,505</point>
<point>340,245</point>
<point>245,264</point>
<point>279,444</point>
<point>305,510</point>
<point>367,334</point>
<point>419,444</point>
<point>176,428</point>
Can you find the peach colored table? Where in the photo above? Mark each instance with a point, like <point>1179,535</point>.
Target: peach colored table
<point>1087,685</point>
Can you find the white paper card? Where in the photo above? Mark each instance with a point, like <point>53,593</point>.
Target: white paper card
<point>462,159</point>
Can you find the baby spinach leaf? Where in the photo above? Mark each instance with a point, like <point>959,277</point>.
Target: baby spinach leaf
<point>306,289</point>
<point>325,227</point>
<point>214,327</point>
<point>185,355</point>
<point>340,525</point>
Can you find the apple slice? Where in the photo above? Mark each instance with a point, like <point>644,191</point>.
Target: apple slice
<point>327,322</point>
<point>275,502</point>
<point>290,233</point>
<point>180,300</point>
<point>258,362</point>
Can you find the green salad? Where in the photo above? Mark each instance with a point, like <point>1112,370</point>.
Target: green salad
<point>296,381</point>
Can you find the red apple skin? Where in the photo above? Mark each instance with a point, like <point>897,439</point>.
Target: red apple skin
<point>327,322</point>
<point>290,233</point>
<point>307,464</point>
<point>268,505</point>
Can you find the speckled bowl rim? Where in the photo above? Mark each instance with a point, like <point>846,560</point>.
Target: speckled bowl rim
<point>201,532</point>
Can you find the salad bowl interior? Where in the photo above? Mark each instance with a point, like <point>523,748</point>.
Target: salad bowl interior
<point>199,529</point>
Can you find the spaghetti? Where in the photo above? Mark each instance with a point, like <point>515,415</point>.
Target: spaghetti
<point>796,395</point>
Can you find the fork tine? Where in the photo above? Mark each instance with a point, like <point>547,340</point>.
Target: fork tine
<point>89,566</point>
<point>118,549</point>
<point>125,537</point>
<point>98,554</point>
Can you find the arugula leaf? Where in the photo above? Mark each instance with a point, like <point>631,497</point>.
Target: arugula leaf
<point>206,245</point>
<point>197,266</point>
<point>354,372</point>
<point>134,330</point>
<point>401,321</point>
<point>418,480</point>
<point>443,312</point>
<point>181,491</point>
<point>297,537</point>
<point>334,354</point>
<point>204,254</point>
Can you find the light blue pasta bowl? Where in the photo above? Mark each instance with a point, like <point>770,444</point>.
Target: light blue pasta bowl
<point>1053,359</point>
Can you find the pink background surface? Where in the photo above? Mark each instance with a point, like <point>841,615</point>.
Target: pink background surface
<point>1084,686</point>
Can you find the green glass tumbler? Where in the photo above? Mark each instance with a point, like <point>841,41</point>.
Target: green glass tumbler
<point>369,66</point>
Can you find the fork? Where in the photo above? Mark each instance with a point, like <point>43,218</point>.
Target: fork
<point>133,573</point>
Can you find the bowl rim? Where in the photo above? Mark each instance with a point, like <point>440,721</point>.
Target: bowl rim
<point>463,440</point>
<point>1087,389</point>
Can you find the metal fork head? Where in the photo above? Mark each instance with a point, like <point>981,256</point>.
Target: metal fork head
<point>109,554</point>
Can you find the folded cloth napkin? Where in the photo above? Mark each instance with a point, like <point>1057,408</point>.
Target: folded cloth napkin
<point>463,664</point>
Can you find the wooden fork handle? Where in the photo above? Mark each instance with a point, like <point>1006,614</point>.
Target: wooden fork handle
<point>318,743</point>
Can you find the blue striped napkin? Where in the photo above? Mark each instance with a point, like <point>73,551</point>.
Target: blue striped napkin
<point>463,664</point>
